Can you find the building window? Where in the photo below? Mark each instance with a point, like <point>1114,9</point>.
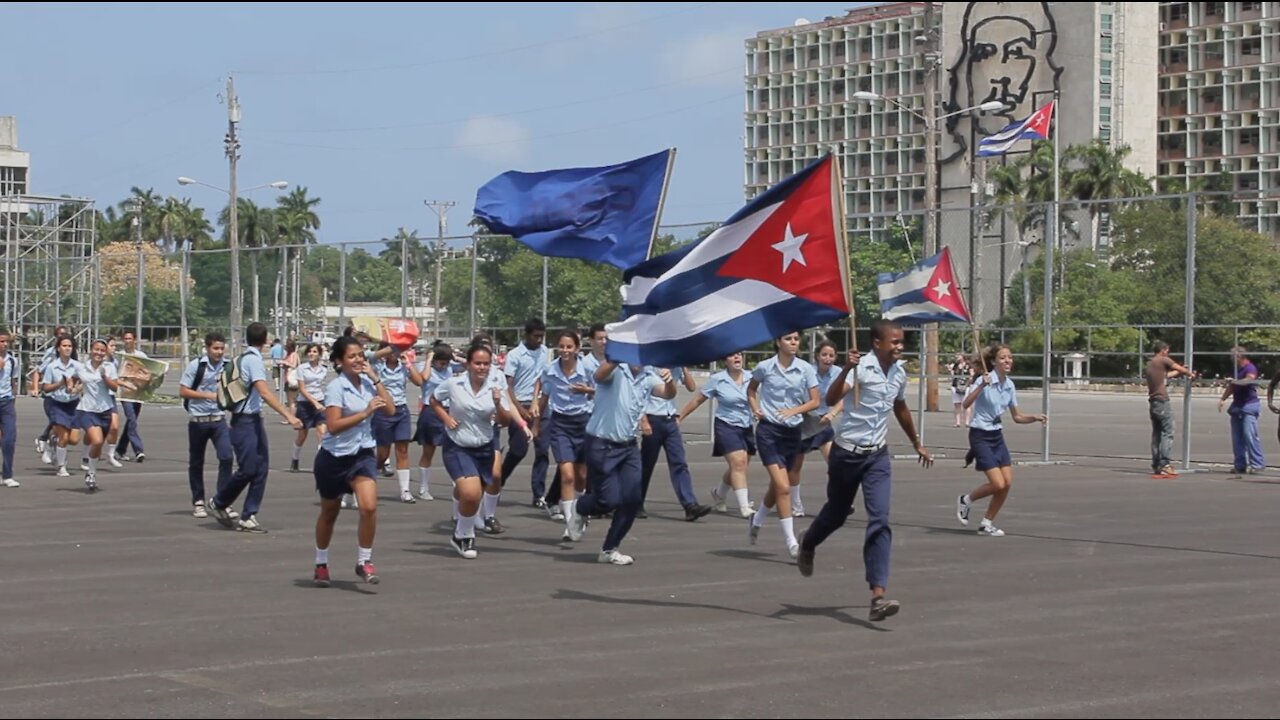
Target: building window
<point>1106,22</point>
<point>1249,137</point>
<point>1106,68</point>
<point>1104,114</point>
<point>1104,90</point>
<point>1251,46</point>
<point>1106,45</point>
<point>1104,133</point>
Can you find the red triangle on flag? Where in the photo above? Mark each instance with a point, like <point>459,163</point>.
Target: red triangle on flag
<point>796,250</point>
<point>942,289</point>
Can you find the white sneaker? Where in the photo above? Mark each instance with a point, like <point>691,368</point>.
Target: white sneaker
<point>962,510</point>
<point>407,497</point>
<point>576,527</point>
<point>344,504</point>
<point>40,445</point>
<point>115,461</point>
<point>10,482</point>
<point>62,472</point>
<point>90,481</point>
<point>425,495</point>
<point>747,512</point>
<point>46,455</point>
<point>613,557</point>
<point>797,510</point>
<point>990,530</point>
<point>793,551</point>
<point>199,511</point>
<point>717,502</point>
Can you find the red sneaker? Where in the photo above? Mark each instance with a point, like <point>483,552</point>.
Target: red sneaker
<point>366,570</point>
<point>322,576</point>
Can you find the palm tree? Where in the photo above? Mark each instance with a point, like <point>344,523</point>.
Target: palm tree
<point>257,229</point>
<point>185,226</point>
<point>419,256</point>
<point>148,205</point>
<point>1102,178</point>
<point>297,203</point>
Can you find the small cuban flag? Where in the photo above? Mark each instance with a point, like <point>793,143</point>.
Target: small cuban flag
<point>925,292</point>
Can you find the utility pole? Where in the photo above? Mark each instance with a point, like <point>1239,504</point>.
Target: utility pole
<point>441,209</point>
<point>232,142</point>
<point>137,232</point>
<point>932,60</point>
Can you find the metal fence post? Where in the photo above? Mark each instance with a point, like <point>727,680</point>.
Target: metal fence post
<point>1189,321</point>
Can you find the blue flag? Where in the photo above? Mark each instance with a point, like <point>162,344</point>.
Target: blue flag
<point>605,214</point>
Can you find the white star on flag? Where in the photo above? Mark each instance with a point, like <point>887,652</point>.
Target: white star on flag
<point>943,288</point>
<point>790,249</point>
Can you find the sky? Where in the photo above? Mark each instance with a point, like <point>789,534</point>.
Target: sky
<point>376,108</point>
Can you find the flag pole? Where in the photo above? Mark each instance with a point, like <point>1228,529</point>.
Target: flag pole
<point>1055,223</point>
<point>842,233</point>
<point>662,201</point>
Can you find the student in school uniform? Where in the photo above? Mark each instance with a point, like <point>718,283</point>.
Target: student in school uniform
<point>565,391</point>
<point>9,374</point>
<point>206,422</point>
<point>310,407</point>
<point>98,379</point>
<point>60,381</point>
<point>735,437</point>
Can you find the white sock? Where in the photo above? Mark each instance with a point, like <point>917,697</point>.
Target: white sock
<point>297,453</point>
<point>403,477</point>
<point>61,457</point>
<point>724,490</point>
<point>424,480</point>
<point>743,501</point>
<point>762,512</point>
<point>490,505</point>
<point>322,556</point>
<point>566,508</point>
<point>466,527</point>
<point>93,465</point>
<point>789,531</point>
<point>966,500</point>
<point>363,555</point>
<point>795,496</point>
<point>985,522</point>
<point>456,514</point>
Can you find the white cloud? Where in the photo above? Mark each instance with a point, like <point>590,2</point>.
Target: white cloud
<point>494,139</point>
<point>705,59</point>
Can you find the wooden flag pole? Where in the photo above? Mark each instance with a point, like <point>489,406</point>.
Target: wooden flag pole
<point>842,234</point>
<point>977,347</point>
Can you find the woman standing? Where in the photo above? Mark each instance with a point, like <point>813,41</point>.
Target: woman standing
<point>993,393</point>
<point>345,463</point>
<point>735,438</point>
<point>473,404</point>
<point>310,410</point>
<point>783,388</point>
<point>61,383</point>
<point>430,434</point>
<point>93,413</point>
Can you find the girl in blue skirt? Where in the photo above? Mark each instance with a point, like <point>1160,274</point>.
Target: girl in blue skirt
<point>735,436</point>
<point>992,394</point>
<point>93,413</point>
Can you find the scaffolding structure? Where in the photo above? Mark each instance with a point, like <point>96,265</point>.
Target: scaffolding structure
<point>50,271</point>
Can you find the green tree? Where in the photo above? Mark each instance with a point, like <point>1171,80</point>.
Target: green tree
<point>159,308</point>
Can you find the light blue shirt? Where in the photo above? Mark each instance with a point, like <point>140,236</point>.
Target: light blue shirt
<point>342,393</point>
<point>655,405</point>
<point>524,367</point>
<point>394,379</point>
<point>562,400</point>
<point>867,423</point>
<point>784,388</point>
<point>620,402</point>
<point>994,397</point>
<point>824,384</point>
<point>96,397</point>
<point>56,372</point>
<point>473,410</point>
<point>208,383</point>
<point>732,405</point>
<point>590,365</point>
<point>431,379</point>
<point>48,356</point>
<point>8,373</point>
<point>277,352</point>
<point>252,370</point>
<point>312,378</point>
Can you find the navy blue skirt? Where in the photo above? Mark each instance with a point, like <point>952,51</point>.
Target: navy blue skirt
<point>463,462</point>
<point>391,429</point>
<point>568,437</point>
<point>987,449</point>
<point>85,420</point>
<point>815,442</point>
<point>308,414</point>
<point>778,444</point>
<point>63,413</point>
<point>430,430</point>
<point>731,438</point>
<point>334,474</point>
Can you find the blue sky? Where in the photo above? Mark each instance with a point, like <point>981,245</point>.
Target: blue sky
<point>375,108</point>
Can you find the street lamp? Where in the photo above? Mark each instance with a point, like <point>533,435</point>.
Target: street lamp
<point>233,227</point>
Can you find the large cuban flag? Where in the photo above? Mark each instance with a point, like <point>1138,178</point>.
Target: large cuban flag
<point>924,292</point>
<point>1035,127</point>
<point>777,266</point>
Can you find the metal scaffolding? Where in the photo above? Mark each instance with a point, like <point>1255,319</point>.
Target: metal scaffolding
<point>50,271</point>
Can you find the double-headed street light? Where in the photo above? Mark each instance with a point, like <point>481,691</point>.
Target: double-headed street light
<point>233,226</point>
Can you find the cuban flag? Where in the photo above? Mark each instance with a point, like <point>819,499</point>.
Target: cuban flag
<point>925,292</point>
<point>777,266</point>
<point>1035,127</point>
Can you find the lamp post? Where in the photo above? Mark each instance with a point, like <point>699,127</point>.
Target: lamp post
<point>237,310</point>
<point>930,205</point>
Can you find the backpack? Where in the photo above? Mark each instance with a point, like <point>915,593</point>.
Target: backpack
<point>232,394</point>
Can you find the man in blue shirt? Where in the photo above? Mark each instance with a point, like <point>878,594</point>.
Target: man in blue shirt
<point>249,437</point>
<point>525,365</point>
<point>198,390</point>
<point>860,457</point>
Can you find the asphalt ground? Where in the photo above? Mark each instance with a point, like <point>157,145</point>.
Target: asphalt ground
<point>1112,595</point>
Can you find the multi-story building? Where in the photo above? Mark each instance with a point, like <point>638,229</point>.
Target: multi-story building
<point>15,165</point>
<point>800,83</point>
<point>1219,106</point>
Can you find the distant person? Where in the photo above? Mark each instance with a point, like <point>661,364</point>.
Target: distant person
<point>1158,372</point>
<point>1246,448</point>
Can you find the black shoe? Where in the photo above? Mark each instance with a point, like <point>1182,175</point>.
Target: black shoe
<point>293,466</point>
<point>493,527</point>
<point>641,514</point>
<point>805,559</point>
<point>695,511</point>
<point>881,608</point>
